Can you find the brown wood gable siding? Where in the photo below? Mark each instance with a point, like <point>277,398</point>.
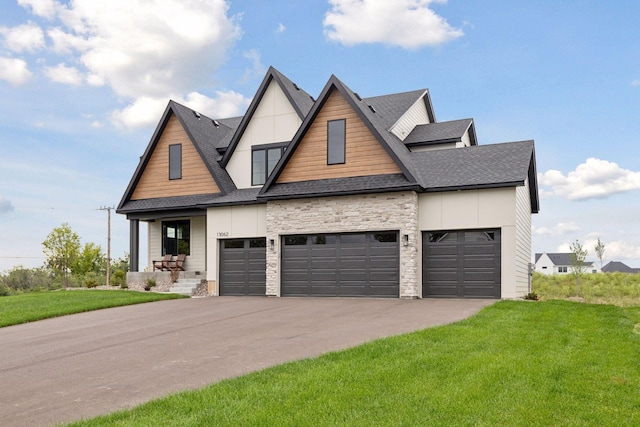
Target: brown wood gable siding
<point>155,181</point>
<point>364,154</point>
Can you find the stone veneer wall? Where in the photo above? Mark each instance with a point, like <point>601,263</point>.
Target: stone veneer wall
<point>341,214</point>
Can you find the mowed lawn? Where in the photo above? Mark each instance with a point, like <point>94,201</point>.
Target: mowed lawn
<point>34,306</point>
<point>516,363</point>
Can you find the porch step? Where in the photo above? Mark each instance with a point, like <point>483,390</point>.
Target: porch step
<point>184,286</point>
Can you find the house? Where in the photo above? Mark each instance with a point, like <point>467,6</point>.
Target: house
<point>619,267</point>
<point>336,196</point>
<point>559,263</point>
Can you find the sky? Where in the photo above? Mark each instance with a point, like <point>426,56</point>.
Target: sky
<point>83,84</point>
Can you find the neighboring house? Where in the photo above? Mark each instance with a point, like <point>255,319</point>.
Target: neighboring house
<point>339,196</point>
<point>619,267</point>
<point>559,263</point>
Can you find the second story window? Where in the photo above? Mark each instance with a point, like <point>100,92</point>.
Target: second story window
<point>336,141</point>
<point>264,159</point>
<point>175,161</point>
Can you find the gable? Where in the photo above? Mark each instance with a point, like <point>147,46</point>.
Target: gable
<point>154,181</point>
<point>365,156</point>
<point>273,120</point>
<point>416,115</point>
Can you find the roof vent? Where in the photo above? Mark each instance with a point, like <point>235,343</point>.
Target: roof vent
<point>357,96</point>
<point>296,86</point>
<point>372,109</point>
<point>195,113</point>
<point>215,123</point>
<point>312,98</point>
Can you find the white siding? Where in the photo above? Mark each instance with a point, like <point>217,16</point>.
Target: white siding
<point>196,260</point>
<point>415,115</point>
<point>446,146</point>
<point>491,208</point>
<point>274,120</point>
<point>228,223</point>
<point>523,238</point>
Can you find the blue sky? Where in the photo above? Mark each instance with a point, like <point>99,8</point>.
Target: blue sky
<point>83,84</point>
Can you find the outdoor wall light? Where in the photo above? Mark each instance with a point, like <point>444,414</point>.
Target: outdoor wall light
<point>272,243</point>
<point>405,239</point>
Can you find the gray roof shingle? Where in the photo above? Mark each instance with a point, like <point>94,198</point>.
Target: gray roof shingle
<point>504,164</point>
<point>451,131</point>
<point>338,186</point>
<point>391,107</point>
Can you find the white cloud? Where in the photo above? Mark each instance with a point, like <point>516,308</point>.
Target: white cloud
<point>26,37</point>
<point>63,74</point>
<point>280,29</point>
<point>5,206</point>
<point>635,83</point>
<point>410,24</point>
<point>42,8</point>
<point>559,229</point>
<point>594,178</point>
<point>147,51</point>
<point>146,111</point>
<point>257,68</point>
<point>14,70</point>
<point>226,104</point>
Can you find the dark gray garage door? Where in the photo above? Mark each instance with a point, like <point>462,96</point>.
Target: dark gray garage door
<point>354,264</point>
<point>243,266</point>
<point>458,264</point>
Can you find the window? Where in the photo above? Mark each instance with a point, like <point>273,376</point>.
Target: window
<point>264,160</point>
<point>336,141</point>
<point>176,237</point>
<point>234,244</point>
<point>562,269</point>
<point>175,161</point>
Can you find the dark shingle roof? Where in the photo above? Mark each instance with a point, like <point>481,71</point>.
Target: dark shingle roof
<point>506,164</point>
<point>338,186</point>
<point>236,197</point>
<point>164,203</point>
<point>619,267</point>
<point>451,131</point>
<point>391,107</point>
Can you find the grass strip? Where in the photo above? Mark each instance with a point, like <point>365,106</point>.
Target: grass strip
<point>515,363</point>
<point>34,306</point>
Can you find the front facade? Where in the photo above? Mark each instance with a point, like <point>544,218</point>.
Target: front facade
<point>336,196</point>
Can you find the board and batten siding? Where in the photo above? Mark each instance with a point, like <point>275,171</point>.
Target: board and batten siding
<point>196,261</point>
<point>479,209</point>
<point>523,238</point>
<point>155,181</point>
<point>364,154</point>
<point>416,115</point>
<point>274,120</point>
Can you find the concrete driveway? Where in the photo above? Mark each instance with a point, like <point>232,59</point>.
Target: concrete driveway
<point>94,363</point>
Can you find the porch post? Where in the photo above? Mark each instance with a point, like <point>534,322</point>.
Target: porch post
<point>134,244</point>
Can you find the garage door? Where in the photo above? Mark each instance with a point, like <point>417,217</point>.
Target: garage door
<point>459,264</point>
<point>243,266</point>
<point>348,265</point>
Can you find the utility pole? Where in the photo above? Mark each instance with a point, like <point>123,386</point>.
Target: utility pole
<point>108,209</point>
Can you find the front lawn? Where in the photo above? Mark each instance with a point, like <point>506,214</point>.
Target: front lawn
<point>30,307</point>
<point>515,363</point>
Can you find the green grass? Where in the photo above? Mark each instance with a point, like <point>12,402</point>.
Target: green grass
<point>600,288</point>
<point>515,363</point>
<point>42,305</point>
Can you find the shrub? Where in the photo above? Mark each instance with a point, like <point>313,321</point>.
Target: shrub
<point>532,296</point>
<point>118,278</point>
<point>91,280</point>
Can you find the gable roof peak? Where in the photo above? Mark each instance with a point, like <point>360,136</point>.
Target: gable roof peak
<point>299,99</point>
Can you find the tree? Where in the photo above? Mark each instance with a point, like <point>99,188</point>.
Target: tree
<point>90,260</point>
<point>600,251</point>
<point>577,256</point>
<point>61,248</point>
